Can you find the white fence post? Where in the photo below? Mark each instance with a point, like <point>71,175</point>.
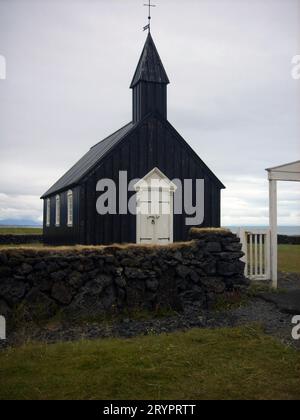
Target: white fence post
<point>273,225</point>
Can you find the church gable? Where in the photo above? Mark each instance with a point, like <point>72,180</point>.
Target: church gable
<point>154,142</point>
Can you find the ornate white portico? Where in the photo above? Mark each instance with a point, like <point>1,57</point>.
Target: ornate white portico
<point>288,172</point>
<point>155,194</point>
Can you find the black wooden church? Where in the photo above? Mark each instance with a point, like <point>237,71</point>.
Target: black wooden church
<point>146,148</point>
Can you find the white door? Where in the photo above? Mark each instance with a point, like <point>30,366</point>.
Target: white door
<point>154,229</point>
<point>145,219</point>
<point>155,209</point>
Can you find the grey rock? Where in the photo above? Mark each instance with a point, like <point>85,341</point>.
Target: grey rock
<point>52,267</point>
<point>209,266</point>
<point>98,285</point>
<point>183,271</point>
<point>58,275</point>
<point>5,271</point>
<point>43,284</point>
<point>121,294</point>
<point>231,256</point>
<point>194,295</point>
<point>194,277</point>
<point>152,285</point>
<point>61,293</point>
<point>93,274</point>
<point>213,247</point>
<point>232,247</point>
<point>110,259</point>
<point>4,309</point>
<point>178,256</point>
<point>213,284</point>
<point>41,266</point>
<point>120,281</point>
<point>12,291</point>
<point>128,262</point>
<point>38,306</point>
<point>75,280</point>
<point>117,271</point>
<point>88,304</point>
<point>134,273</point>
<point>226,268</point>
<point>3,258</point>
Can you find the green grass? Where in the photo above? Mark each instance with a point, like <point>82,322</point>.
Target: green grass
<point>289,258</point>
<point>239,363</point>
<point>20,231</point>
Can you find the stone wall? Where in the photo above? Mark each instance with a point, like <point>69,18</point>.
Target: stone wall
<point>88,282</point>
<point>20,239</point>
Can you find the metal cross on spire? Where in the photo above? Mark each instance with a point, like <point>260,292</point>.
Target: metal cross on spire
<point>149,5</point>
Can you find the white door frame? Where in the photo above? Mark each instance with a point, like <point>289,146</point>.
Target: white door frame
<point>288,172</point>
<point>165,185</point>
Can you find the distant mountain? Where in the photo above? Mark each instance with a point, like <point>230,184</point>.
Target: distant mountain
<point>20,222</point>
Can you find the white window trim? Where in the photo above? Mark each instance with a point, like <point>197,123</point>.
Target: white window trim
<point>57,211</point>
<point>70,208</point>
<point>48,212</point>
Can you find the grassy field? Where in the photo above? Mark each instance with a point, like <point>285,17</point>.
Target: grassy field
<point>289,258</point>
<point>20,231</point>
<point>200,364</point>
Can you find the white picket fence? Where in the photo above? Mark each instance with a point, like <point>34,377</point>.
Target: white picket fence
<point>257,248</point>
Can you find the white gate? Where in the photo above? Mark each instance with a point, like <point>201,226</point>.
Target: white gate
<point>257,248</point>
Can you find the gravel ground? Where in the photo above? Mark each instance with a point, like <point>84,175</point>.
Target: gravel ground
<point>256,310</point>
<point>266,314</point>
<point>289,281</point>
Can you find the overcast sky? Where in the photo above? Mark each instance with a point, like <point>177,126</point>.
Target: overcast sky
<point>232,97</point>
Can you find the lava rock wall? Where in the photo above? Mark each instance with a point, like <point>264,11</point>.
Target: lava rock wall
<point>88,282</point>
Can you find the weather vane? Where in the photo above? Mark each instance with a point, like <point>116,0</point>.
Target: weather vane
<point>149,5</point>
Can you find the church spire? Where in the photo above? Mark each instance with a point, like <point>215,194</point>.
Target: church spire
<point>149,83</point>
<point>150,67</point>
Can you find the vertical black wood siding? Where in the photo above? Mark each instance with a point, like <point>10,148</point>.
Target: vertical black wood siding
<point>151,145</point>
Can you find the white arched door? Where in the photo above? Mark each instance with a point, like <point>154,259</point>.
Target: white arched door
<point>155,218</point>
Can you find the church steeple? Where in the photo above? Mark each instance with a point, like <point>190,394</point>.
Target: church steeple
<point>149,83</point>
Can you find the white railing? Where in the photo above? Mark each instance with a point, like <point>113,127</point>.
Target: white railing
<point>256,246</point>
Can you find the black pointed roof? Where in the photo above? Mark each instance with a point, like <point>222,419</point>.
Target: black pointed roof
<point>150,67</point>
<point>88,161</point>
